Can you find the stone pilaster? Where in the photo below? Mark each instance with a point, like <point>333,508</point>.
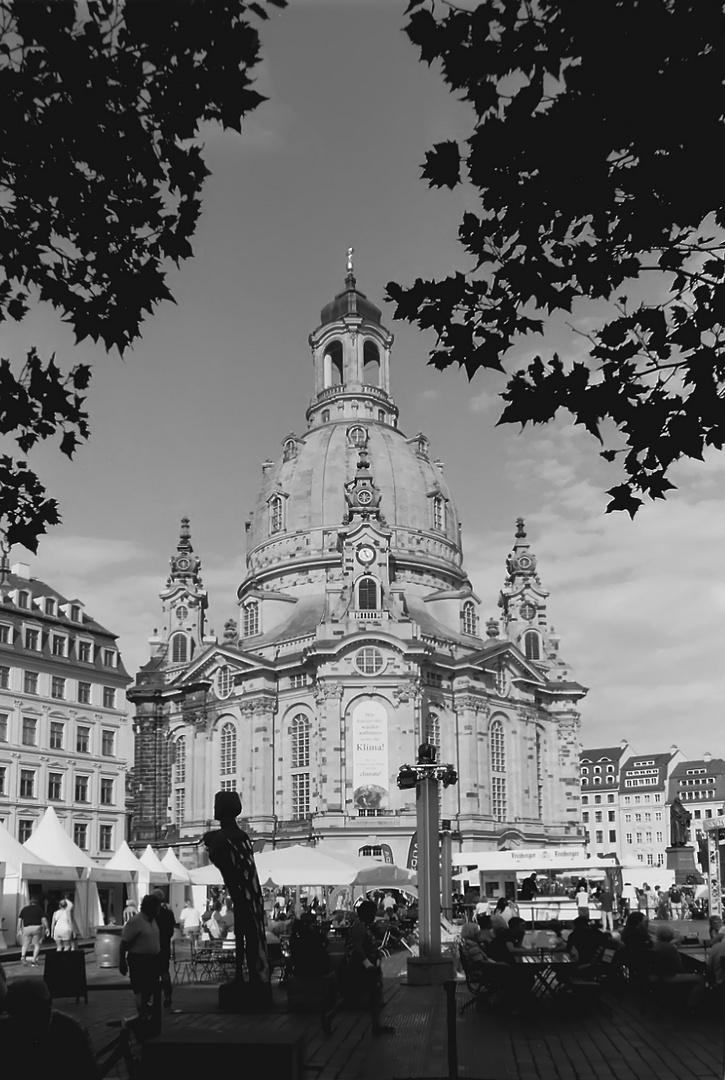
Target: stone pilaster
<point>330,748</point>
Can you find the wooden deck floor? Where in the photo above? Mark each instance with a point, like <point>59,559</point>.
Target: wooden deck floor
<point>627,1044</point>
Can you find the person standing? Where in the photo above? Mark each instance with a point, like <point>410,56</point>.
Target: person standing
<point>167,925</point>
<point>361,973</point>
<point>676,902</point>
<point>61,927</point>
<point>606,903</point>
<point>32,929</point>
<point>582,900</point>
<point>190,921</point>
<point>141,946</point>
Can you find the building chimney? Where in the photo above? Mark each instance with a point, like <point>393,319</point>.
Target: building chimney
<point>707,757</point>
<point>21,569</point>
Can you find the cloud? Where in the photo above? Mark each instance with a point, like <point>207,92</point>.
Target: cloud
<point>485,402</point>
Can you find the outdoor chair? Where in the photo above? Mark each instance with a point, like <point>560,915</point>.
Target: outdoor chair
<point>485,982</point>
<point>183,958</point>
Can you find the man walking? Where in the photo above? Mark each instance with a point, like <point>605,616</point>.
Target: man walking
<point>32,929</point>
<point>141,944</point>
<point>167,924</point>
<point>676,902</point>
<point>606,903</point>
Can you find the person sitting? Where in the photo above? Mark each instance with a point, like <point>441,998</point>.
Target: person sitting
<point>39,1038</point>
<point>670,971</point>
<point>502,946</point>
<point>472,949</point>
<point>504,909</point>
<point>484,928</point>
<point>584,941</point>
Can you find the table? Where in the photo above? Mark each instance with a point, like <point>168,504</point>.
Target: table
<point>545,969</point>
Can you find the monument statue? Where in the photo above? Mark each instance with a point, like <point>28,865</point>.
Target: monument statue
<point>679,824</point>
<point>230,849</point>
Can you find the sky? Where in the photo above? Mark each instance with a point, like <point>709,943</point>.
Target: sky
<point>181,424</point>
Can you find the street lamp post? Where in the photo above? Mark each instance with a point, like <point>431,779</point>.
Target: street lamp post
<point>430,966</point>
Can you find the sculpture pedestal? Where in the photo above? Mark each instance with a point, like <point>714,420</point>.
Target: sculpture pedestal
<point>430,970</point>
<point>243,997</point>
<point>682,861</point>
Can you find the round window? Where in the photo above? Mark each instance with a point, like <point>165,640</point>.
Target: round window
<point>369,661</point>
<point>528,611</point>
<point>182,613</point>
<point>223,682</point>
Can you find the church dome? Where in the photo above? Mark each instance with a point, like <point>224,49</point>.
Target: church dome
<point>302,502</point>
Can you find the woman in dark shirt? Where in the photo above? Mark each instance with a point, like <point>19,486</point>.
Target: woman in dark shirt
<point>361,972</point>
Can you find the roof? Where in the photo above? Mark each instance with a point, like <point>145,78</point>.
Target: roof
<point>303,622</point>
<point>613,753</point>
<point>713,767</point>
<point>38,588</point>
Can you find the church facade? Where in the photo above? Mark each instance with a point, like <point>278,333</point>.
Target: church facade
<point>358,637</point>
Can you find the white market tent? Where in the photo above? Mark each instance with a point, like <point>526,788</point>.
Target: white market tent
<point>299,865</point>
<point>124,865</point>
<point>67,863</point>
<point>180,879</point>
<point>387,876</point>
<point>16,861</point>
<point>206,875</point>
<point>151,870</point>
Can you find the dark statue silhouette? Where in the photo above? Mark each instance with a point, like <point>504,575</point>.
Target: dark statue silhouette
<point>679,824</point>
<point>230,849</point>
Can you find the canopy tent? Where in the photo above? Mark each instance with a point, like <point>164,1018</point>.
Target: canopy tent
<point>387,876</point>
<point>179,883</point>
<point>151,870</point>
<point>68,863</point>
<point>15,860</point>
<point>126,866</point>
<point>179,873</point>
<point>206,875</point>
<point>299,865</point>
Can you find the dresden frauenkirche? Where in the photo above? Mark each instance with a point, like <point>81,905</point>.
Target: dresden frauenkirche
<point>358,637</point>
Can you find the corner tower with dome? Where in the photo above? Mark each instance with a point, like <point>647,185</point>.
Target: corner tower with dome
<point>358,636</point>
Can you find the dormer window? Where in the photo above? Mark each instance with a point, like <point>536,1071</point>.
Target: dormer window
<point>289,449</point>
<point>23,599</point>
<point>75,612</point>
<point>276,514</point>
<point>439,512</point>
<point>469,620</point>
<point>49,606</point>
<point>109,658</point>
<point>250,618</point>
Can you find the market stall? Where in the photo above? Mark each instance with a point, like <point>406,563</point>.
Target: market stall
<point>18,862</point>
<point>180,881</point>
<point>498,873</point>
<point>67,871</point>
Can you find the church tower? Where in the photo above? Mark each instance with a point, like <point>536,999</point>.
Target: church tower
<point>523,602</point>
<point>358,637</point>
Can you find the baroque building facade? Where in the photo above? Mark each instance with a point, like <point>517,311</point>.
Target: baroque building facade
<point>358,636</point>
<point>65,737</point>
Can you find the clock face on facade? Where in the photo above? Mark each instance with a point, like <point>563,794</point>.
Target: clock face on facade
<point>524,562</point>
<point>364,497</point>
<point>183,564</point>
<point>366,554</point>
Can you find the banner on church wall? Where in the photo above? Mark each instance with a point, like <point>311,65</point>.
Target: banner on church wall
<point>370,776</point>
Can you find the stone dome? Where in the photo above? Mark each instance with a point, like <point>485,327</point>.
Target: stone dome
<point>309,482</point>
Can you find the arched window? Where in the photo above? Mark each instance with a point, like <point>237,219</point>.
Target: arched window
<point>497,744</point>
<point>325,416</point>
<point>250,618</point>
<point>433,730</point>
<point>468,618</point>
<point>228,750</point>
<point>300,758</point>
<point>333,365</point>
<point>180,760</point>
<point>179,649</point>
<point>300,741</point>
<point>367,594</point>
<point>439,512</point>
<point>276,514</point>
<point>289,449</point>
<point>532,645</point>
<point>371,364</point>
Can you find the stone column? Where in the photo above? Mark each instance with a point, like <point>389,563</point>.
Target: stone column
<point>258,802</point>
<point>330,748</point>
